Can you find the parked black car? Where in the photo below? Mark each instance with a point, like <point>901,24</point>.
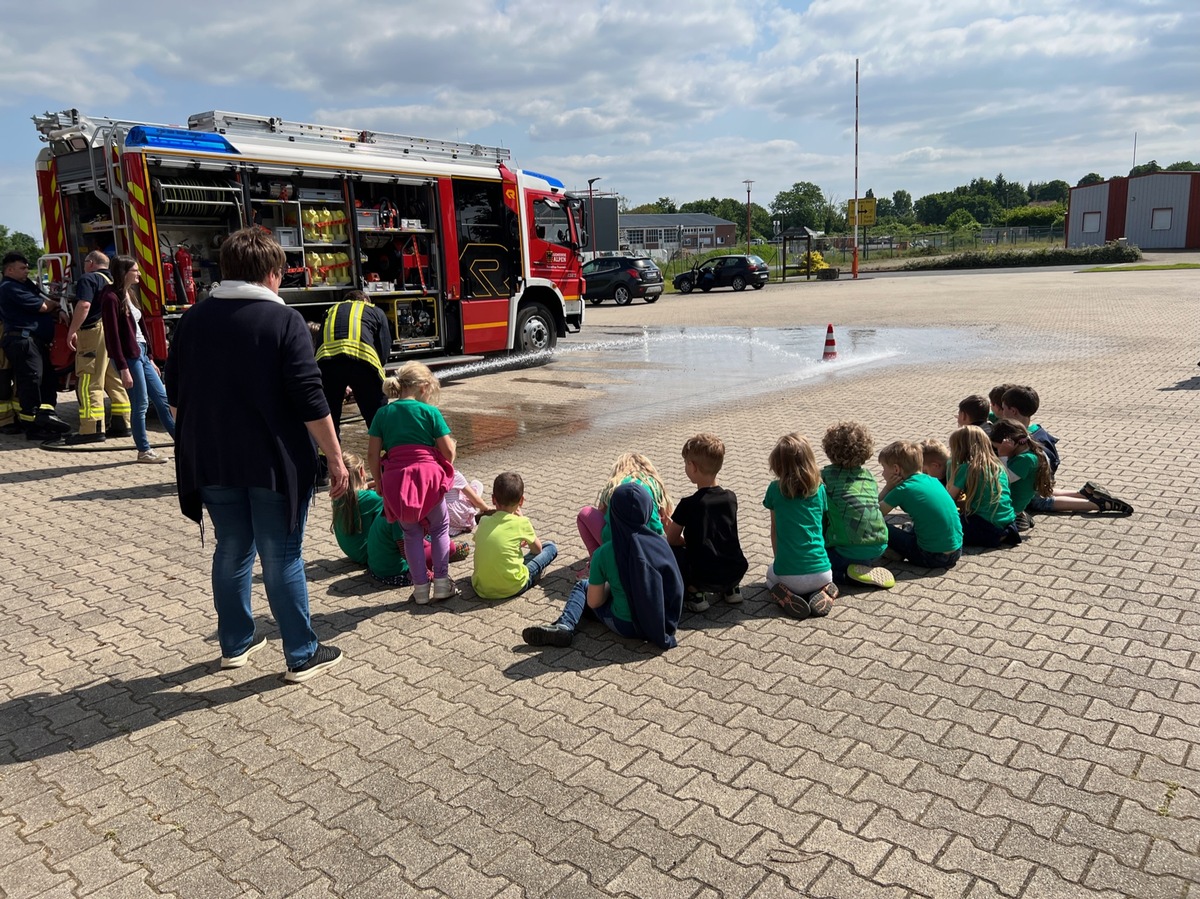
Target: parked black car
<point>724,271</point>
<point>622,278</point>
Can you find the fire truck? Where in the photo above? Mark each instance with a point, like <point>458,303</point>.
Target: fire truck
<point>467,255</point>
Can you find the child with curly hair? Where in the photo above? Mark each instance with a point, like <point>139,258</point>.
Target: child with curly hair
<point>855,533</point>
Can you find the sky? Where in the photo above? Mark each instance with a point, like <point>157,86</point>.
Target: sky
<point>653,98</point>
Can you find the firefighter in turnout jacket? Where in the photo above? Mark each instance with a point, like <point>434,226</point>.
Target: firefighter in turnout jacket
<point>94,377</point>
<point>355,343</point>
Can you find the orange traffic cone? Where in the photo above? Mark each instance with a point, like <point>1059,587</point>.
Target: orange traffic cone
<point>830,346</point>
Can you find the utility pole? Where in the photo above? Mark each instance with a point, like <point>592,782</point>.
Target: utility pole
<point>747,182</point>
<point>592,215</point>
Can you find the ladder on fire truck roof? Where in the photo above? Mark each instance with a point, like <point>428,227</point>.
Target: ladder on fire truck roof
<point>240,123</point>
<point>107,135</point>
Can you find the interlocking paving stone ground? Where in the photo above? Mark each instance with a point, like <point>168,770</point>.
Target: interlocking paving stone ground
<point>1022,726</point>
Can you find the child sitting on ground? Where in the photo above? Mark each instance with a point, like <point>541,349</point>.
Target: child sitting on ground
<point>935,456</point>
<point>995,398</point>
<point>975,410</point>
<point>1028,467</point>
<point>855,533</point>
<point>355,511</point>
<point>980,483</point>
<point>633,585</point>
<point>593,520</point>
<point>935,540</point>
<point>799,576</point>
<point>463,501</point>
<point>703,529</point>
<point>1021,403</point>
<point>503,567</point>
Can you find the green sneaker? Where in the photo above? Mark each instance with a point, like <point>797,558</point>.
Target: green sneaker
<point>873,576</point>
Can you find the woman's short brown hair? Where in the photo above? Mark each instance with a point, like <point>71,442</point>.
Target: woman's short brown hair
<point>251,255</point>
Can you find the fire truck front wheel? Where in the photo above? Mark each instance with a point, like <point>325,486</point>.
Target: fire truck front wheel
<point>536,331</point>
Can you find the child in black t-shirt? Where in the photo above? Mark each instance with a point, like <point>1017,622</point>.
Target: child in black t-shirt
<point>703,529</point>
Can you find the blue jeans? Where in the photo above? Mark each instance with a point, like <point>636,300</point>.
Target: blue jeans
<point>577,606</point>
<point>147,388</point>
<point>538,563</point>
<point>904,542</point>
<point>250,520</point>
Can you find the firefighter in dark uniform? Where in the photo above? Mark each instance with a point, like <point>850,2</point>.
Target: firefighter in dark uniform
<point>28,318</point>
<point>355,343</point>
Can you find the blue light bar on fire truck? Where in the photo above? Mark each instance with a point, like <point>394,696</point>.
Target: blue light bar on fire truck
<point>552,181</point>
<point>178,139</point>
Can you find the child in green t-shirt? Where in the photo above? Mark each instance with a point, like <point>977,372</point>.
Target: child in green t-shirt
<point>935,540</point>
<point>503,566</point>
<point>855,533</point>
<point>800,576</point>
<point>355,511</point>
<point>979,482</point>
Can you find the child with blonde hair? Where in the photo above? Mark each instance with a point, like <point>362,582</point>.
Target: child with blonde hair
<point>417,473</point>
<point>800,576</point>
<point>980,483</point>
<point>935,538</point>
<point>855,533</point>
<point>628,467</point>
<point>355,511</point>
<point>935,456</point>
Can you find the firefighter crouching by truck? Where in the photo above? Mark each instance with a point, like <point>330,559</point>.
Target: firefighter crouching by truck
<point>94,377</point>
<point>356,341</point>
<point>28,319</point>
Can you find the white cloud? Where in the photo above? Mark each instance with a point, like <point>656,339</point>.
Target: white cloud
<point>683,101</point>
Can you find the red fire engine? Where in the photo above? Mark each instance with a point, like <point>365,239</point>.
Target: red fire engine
<point>466,255</point>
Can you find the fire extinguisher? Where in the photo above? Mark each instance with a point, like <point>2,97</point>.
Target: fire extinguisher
<point>183,268</point>
<point>168,278</point>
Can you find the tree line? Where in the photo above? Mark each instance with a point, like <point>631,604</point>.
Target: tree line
<point>983,201</point>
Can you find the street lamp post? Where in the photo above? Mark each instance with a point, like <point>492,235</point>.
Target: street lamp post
<point>747,182</point>
<point>592,215</point>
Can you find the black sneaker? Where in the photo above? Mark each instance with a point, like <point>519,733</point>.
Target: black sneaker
<point>120,429</point>
<point>1024,521</point>
<point>695,601</point>
<point>80,439</point>
<point>548,635</point>
<point>322,660</point>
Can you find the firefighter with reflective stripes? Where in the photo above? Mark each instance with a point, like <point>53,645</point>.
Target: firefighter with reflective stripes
<point>356,341</point>
<point>94,377</point>
<point>8,403</point>
<point>28,318</point>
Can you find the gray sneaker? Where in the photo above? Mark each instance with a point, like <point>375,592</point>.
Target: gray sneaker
<point>150,457</point>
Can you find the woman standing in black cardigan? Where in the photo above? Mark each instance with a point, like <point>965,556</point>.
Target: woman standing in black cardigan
<point>248,405</point>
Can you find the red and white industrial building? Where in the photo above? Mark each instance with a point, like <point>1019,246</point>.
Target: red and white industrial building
<point>1160,211</point>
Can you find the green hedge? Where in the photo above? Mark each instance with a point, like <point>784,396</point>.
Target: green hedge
<point>1108,253</point>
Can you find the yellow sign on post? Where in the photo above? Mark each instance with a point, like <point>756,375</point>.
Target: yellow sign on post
<point>866,212</point>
